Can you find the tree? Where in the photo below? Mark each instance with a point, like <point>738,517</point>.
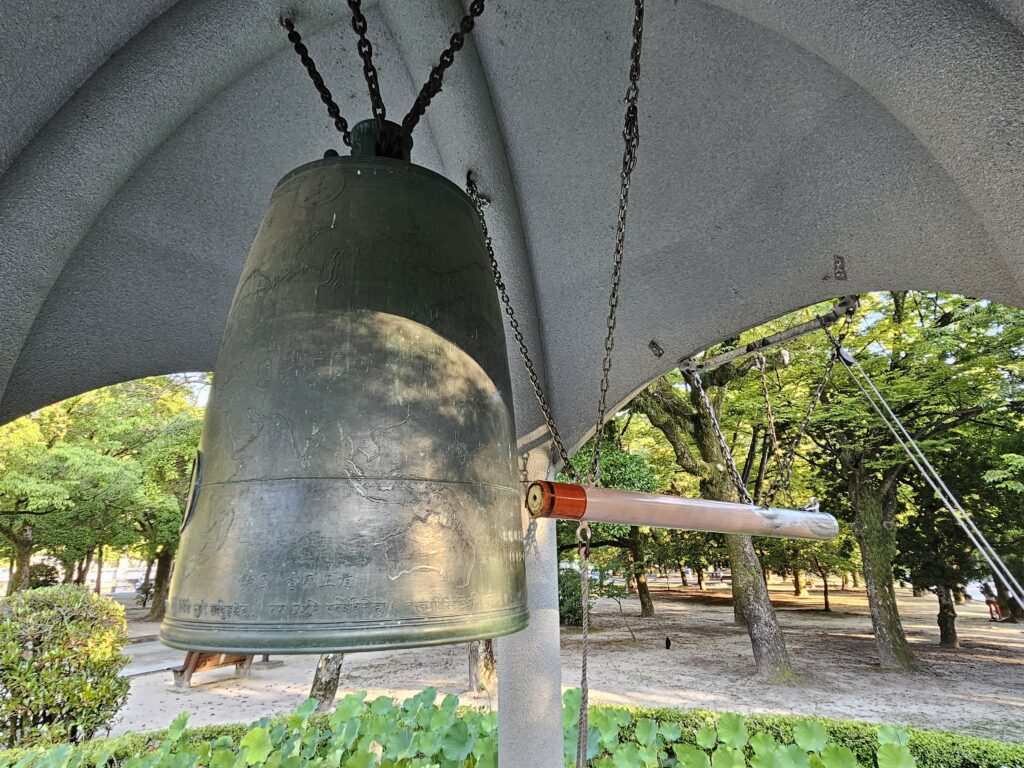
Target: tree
<point>102,469</point>
<point>53,494</point>
<point>674,408</point>
<point>925,352</point>
<point>1004,491</point>
<point>483,667</point>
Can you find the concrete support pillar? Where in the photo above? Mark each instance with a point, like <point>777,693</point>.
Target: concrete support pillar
<point>529,670</point>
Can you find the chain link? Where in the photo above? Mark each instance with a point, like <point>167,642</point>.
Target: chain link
<point>435,79</point>
<point>318,82</point>
<point>365,50</point>
<point>730,464</point>
<point>781,479</point>
<point>631,136</point>
<point>478,202</point>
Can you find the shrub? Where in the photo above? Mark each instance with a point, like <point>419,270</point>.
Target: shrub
<point>570,600</point>
<point>422,731</point>
<point>42,575</point>
<point>931,749</point>
<point>60,655</point>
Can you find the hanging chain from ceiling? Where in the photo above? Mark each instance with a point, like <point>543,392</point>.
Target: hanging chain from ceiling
<point>318,82</point>
<point>723,445</point>
<point>369,70</point>
<point>430,88</point>
<point>631,137</point>
<point>538,390</point>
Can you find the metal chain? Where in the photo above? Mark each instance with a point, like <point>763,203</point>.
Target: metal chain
<point>730,464</point>
<point>318,82</point>
<point>432,87</point>
<point>784,471</point>
<point>631,136</point>
<point>784,468</point>
<point>478,202</point>
<point>369,70</point>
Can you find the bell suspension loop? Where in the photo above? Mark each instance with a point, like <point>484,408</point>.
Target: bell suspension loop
<point>391,138</point>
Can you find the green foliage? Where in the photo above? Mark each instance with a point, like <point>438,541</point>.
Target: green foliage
<point>570,597</point>
<point>702,739</point>
<point>422,732</point>
<point>60,655</point>
<point>106,468</point>
<point>42,575</point>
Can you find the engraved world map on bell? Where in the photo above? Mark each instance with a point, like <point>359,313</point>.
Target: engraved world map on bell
<point>356,486</point>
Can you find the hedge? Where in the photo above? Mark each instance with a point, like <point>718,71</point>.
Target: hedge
<point>931,749</point>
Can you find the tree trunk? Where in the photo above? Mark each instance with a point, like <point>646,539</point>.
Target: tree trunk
<point>947,617</point>
<point>824,582</point>
<point>1009,607</point>
<point>762,467</point>
<point>483,669</point>
<point>874,530</point>
<point>799,583</point>
<point>24,545</point>
<point>69,573</point>
<point>682,576</point>
<point>325,680</point>
<point>643,591</point>
<point>99,571</point>
<point>83,569</point>
<point>855,578</point>
<point>751,596</point>
<point>149,572</point>
<point>636,560</point>
<point>700,577</point>
<point>845,581</point>
<point>160,584</point>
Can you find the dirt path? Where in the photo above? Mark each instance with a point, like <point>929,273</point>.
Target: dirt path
<point>978,689</point>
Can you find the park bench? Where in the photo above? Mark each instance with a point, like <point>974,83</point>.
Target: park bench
<point>199,662</point>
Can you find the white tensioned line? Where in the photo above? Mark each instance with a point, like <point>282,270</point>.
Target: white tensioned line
<point>933,479</point>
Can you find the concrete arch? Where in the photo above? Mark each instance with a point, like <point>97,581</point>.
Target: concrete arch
<point>948,70</point>
<point>775,137</point>
<point>181,61</point>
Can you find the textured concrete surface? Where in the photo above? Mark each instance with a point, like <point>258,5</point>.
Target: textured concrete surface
<point>529,666</point>
<point>140,141</point>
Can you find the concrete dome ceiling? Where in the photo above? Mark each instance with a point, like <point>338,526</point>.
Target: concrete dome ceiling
<point>140,142</point>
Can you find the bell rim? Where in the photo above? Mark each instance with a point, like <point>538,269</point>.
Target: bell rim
<point>404,166</point>
<point>331,639</point>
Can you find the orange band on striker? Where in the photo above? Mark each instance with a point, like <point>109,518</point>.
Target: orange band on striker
<point>564,501</point>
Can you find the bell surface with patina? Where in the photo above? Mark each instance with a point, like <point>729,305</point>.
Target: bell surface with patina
<point>355,487</point>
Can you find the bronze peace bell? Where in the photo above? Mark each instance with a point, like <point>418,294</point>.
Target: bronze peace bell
<point>355,487</point>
